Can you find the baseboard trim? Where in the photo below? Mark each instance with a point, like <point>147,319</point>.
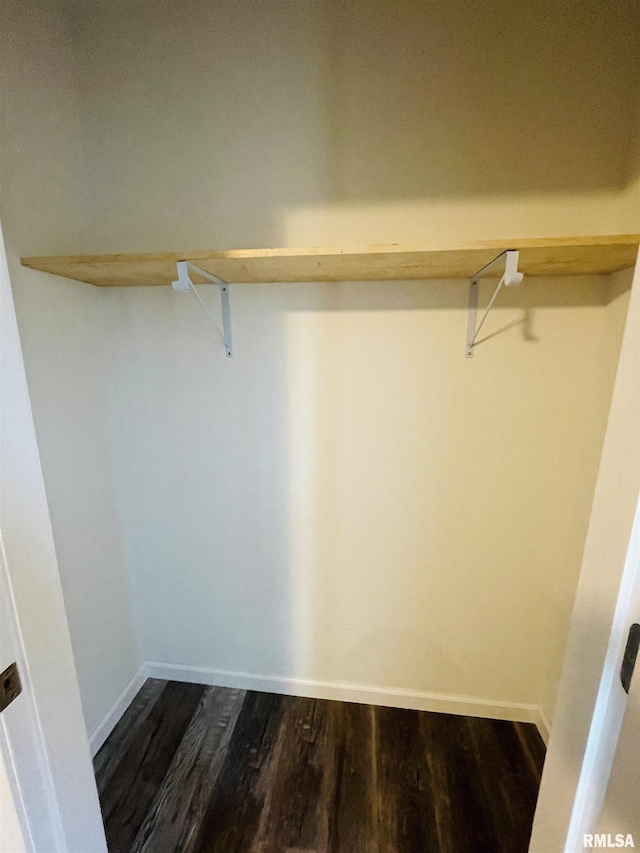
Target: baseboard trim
<point>543,724</point>
<point>104,728</point>
<point>394,697</point>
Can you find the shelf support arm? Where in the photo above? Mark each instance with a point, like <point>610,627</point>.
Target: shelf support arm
<point>184,284</point>
<point>510,277</point>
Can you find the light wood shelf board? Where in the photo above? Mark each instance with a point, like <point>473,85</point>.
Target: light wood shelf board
<point>538,257</point>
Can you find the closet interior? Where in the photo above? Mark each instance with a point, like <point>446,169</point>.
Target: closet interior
<point>305,540</point>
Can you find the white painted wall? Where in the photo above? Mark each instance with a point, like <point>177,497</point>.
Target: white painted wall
<point>563,586</point>
<point>572,756</point>
<point>42,731</point>
<point>349,498</point>
<point>43,207</point>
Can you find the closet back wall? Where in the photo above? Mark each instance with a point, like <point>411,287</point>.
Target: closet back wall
<point>348,499</point>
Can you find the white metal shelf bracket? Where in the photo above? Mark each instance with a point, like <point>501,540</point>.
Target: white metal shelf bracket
<point>184,285</point>
<point>510,277</point>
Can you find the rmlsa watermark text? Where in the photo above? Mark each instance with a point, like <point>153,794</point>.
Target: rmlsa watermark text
<point>605,840</point>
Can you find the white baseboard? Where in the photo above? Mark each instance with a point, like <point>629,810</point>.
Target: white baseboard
<point>543,724</point>
<point>394,697</point>
<point>104,728</point>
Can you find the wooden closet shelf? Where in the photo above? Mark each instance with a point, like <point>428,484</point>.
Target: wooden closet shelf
<point>548,257</point>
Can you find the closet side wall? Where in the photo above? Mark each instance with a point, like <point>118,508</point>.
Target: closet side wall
<point>564,583</point>
<point>44,209</point>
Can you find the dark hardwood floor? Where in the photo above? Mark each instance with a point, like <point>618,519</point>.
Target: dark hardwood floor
<point>194,769</point>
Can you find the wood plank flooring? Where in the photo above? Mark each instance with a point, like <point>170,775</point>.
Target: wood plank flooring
<point>195,769</point>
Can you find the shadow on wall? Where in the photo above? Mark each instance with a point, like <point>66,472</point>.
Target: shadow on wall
<point>223,117</point>
<point>445,99</point>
